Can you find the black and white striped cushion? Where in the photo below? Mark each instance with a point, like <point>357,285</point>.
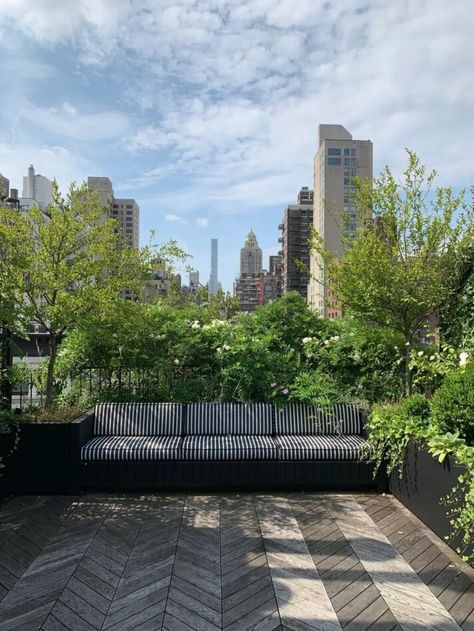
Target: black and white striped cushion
<point>229,448</point>
<point>128,448</point>
<point>319,447</point>
<point>309,420</point>
<point>138,419</point>
<point>219,419</point>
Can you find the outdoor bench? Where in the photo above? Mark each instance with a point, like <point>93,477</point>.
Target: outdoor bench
<point>258,446</point>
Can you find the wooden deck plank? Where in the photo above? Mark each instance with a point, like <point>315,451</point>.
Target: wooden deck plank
<point>231,561</point>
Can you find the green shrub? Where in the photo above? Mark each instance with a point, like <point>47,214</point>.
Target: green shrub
<point>392,426</point>
<point>453,404</point>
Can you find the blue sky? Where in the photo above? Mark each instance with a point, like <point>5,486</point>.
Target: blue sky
<point>206,111</point>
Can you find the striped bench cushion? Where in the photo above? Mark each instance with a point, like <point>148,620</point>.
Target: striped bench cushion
<point>229,448</point>
<point>308,420</point>
<point>132,448</point>
<point>319,447</point>
<point>219,419</point>
<point>138,419</point>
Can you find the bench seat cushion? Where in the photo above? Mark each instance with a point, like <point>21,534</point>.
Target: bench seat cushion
<point>229,448</point>
<point>319,447</point>
<point>128,448</point>
<point>138,419</point>
<point>222,419</point>
<point>309,420</point>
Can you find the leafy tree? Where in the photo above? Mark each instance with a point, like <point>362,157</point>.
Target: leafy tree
<point>64,263</point>
<point>397,269</point>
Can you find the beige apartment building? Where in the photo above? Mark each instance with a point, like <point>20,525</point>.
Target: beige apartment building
<point>338,160</point>
<point>126,211</point>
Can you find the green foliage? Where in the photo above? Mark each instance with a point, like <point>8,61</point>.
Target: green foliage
<point>392,426</point>
<point>453,404</point>
<point>399,265</point>
<point>460,502</point>
<point>430,366</point>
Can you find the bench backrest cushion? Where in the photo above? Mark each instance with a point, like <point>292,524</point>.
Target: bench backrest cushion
<point>138,419</point>
<point>309,420</point>
<point>222,419</point>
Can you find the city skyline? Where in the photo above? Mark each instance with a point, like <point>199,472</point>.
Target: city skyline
<point>211,144</point>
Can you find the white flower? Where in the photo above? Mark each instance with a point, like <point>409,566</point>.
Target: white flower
<point>219,349</point>
<point>432,358</point>
<point>463,357</point>
<point>335,338</point>
<point>226,347</point>
<point>407,343</point>
<point>285,391</point>
<point>306,340</point>
<point>326,342</point>
<point>195,325</point>
<point>273,385</point>
<point>420,353</point>
<point>176,361</point>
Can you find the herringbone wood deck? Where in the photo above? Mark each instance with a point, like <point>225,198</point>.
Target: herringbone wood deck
<point>233,562</point>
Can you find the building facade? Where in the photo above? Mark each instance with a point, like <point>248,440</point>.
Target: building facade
<point>214,285</point>
<point>338,160</point>
<point>125,210</point>
<point>247,285</point>
<point>37,190</point>
<point>270,282</point>
<point>4,186</point>
<point>295,234</point>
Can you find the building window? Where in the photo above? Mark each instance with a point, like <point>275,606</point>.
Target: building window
<point>353,152</point>
<point>347,162</point>
<point>334,161</point>
<point>115,205</point>
<point>347,152</point>
<point>129,206</point>
<point>334,152</point>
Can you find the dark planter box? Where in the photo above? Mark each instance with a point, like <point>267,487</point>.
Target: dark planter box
<point>41,463</point>
<point>424,484</point>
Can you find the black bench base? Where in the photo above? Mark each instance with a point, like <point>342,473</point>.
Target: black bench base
<point>276,475</point>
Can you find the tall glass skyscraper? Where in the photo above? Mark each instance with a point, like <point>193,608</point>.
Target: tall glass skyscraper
<point>213,279</point>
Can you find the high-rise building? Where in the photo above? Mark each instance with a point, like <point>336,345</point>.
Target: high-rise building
<point>338,160</point>
<point>125,211</point>
<point>295,233</point>
<point>4,186</point>
<point>247,285</point>
<point>250,256</point>
<point>214,284</point>
<point>193,281</point>
<point>37,190</point>
<point>270,283</point>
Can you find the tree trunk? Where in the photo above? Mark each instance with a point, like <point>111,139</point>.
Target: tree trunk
<point>408,376</point>
<point>53,353</point>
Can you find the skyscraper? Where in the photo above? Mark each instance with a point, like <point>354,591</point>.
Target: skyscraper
<point>339,159</point>
<point>125,211</point>
<point>250,256</point>
<point>213,278</point>
<point>295,233</point>
<point>4,186</point>
<point>247,285</point>
<point>37,190</point>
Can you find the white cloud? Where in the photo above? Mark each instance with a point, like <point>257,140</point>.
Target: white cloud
<point>67,121</point>
<point>231,92</point>
<point>202,222</point>
<point>175,218</point>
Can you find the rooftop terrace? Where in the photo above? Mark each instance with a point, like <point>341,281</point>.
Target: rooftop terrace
<point>233,561</point>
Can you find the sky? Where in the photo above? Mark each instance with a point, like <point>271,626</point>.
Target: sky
<point>206,111</point>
